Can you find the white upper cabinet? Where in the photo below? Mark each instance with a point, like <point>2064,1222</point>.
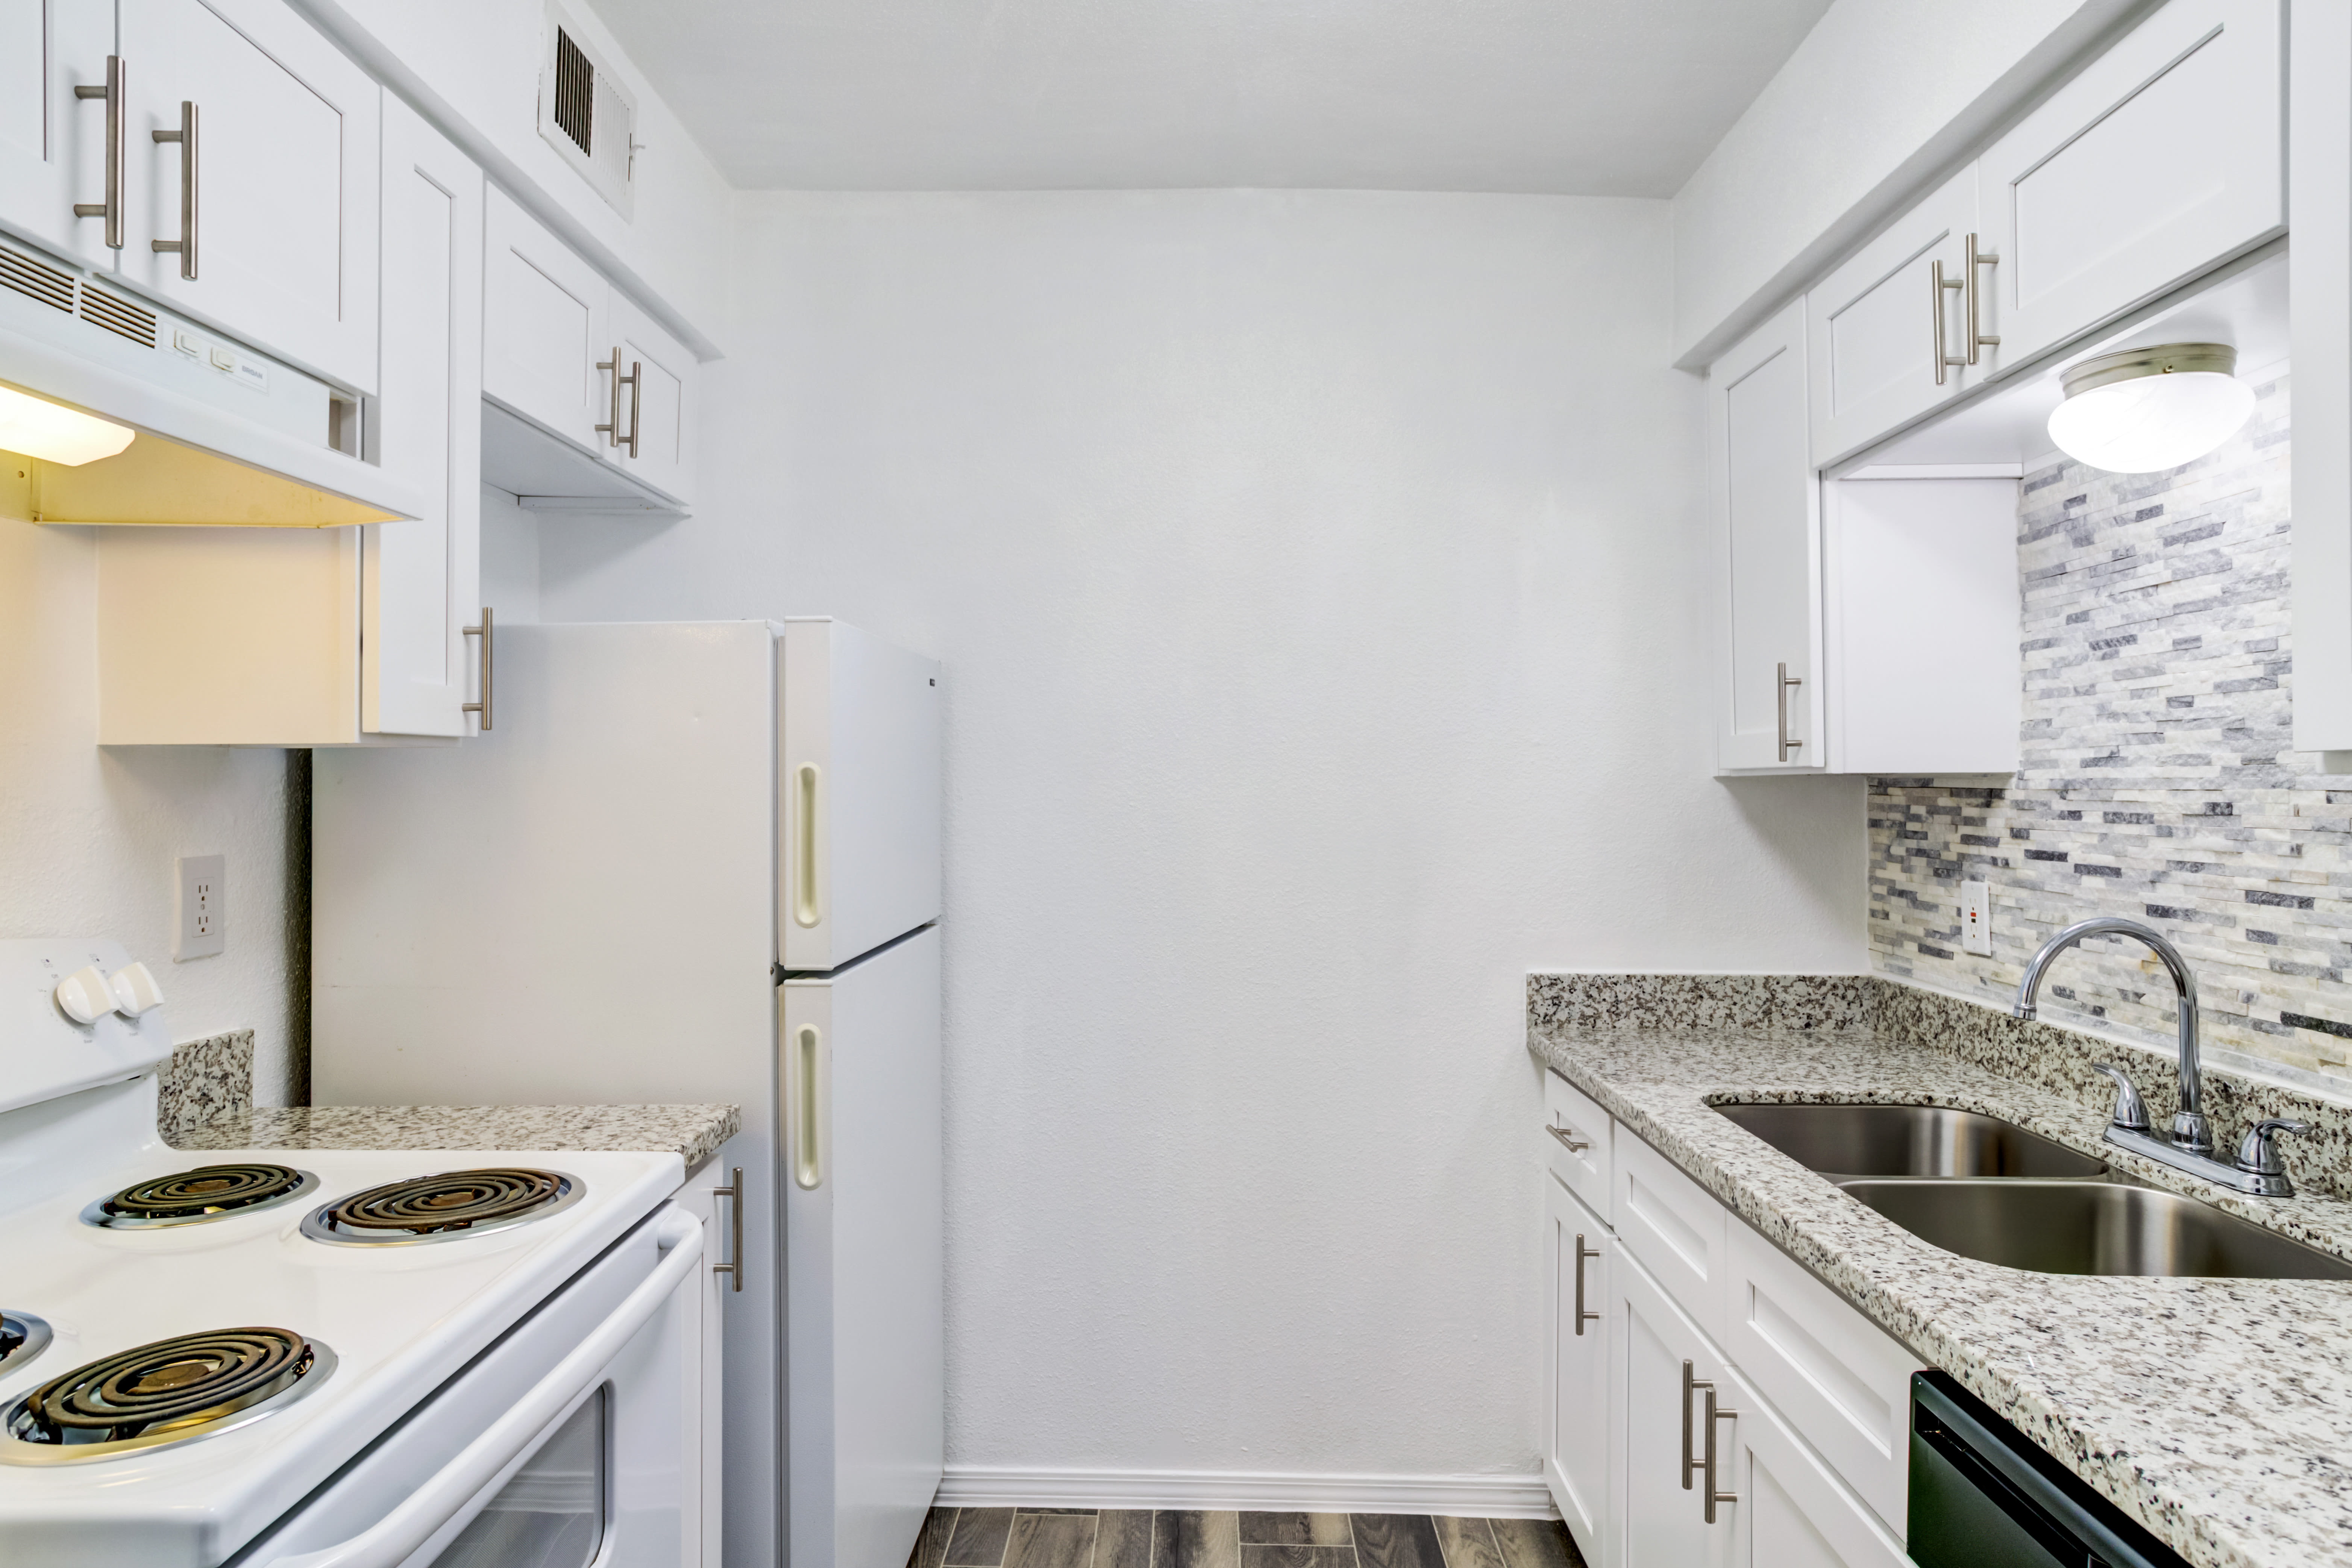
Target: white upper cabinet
<point>544,328</point>
<point>266,193</point>
<point>1765,515</point>
<point>1889,331</point>
<point>2322,311</point>
<point>423,578</point>
<point>52,143</point>
<point>2165,156</point>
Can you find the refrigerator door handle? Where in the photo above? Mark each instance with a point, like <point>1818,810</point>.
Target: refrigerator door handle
<point>808,907</point>
<point>808,1110</point>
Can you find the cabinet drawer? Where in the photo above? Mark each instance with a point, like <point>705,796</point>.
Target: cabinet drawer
<point>2165,156</point>
<point>1673,1226</point>
<point>1792,1512</point>
<point>1839,1379</point>
<point>1576,1141</point>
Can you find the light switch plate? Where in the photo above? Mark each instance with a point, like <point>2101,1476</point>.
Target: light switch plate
<point>199,928</point>
<point>1976,917</point>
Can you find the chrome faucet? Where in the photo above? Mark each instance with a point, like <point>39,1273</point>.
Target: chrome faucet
<point>2258,1168</point>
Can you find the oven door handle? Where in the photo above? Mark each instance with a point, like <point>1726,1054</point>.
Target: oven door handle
<point>393,1539</point>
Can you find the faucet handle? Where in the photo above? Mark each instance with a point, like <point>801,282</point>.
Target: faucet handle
<point>2131,1112</point>
<point>2258,1153</point>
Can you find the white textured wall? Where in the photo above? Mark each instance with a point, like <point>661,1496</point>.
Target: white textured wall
<point>1880,94</point>
<point>89,838</point>
<point>1319,583</point>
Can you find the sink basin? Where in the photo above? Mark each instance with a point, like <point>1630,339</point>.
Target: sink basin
<point>1843,1141</point>
<point>2091,1227</point>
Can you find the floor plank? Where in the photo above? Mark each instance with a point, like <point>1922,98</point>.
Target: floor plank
<point>1123,1538</point>
<point>1467,1542</point>
<point>1396,1541</point>
<point>1051,1540</point>
<point>1290,1555</point>
<point>1535,1543</point>
<point>931,1541</point>
<point>1183,1538</point>
<point>979,1539</point>
<point>1296,1530</point>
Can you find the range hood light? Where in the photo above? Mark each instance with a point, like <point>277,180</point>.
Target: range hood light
<point>56,433</point>
<point>2146,409</point>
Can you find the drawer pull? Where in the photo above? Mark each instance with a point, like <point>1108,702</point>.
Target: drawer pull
<point>1583,1317</point>
<point>1568,1140</point>
<point>1703,1463</point>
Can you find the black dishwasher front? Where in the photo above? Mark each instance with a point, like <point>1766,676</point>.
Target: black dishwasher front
<point>1983,1497</point>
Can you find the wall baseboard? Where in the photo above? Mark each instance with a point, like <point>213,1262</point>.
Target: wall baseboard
<point>1492,1497</point>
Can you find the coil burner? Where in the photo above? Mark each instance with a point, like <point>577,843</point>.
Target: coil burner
<point>22,1337</point>
<point>196,1197</point>
<point>173,1390</point>
<point>445,1207</point>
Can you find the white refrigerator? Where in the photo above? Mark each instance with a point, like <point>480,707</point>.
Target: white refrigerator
<point>691,862</point>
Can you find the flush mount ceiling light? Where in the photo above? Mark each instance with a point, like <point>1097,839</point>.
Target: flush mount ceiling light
<point>56,433</point>
<point>2145,409</point>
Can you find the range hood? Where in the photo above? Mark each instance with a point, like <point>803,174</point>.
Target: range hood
<point>221,436</point>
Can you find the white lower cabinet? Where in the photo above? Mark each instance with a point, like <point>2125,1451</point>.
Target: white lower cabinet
<point>1578,1262</point>
<point>1807,1454</point>
<point>720,1186</point>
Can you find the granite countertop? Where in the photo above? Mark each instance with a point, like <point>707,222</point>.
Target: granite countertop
<point>695,1132</point>
<point>2217,1412</point>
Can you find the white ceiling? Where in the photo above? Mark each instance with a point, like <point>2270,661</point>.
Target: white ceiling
<point>1582,97</point>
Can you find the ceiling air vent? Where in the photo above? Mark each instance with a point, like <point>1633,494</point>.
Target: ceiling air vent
<point>118,316</point>
<point>30,277</point>
<point>585,115</point>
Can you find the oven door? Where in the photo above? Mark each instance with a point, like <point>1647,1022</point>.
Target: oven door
<point>573,1439</point>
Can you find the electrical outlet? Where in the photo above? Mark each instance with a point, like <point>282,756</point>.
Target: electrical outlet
<point>201,928</point>
<point>1976,917</point>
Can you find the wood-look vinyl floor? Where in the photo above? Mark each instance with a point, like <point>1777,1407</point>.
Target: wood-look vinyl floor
<point>1168,1537</point>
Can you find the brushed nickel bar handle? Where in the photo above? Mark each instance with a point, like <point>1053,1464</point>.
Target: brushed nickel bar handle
<point>1583,1317</point>
<point>637,380</point>
<point>1568,1140</point>
<point>734,1194</point>
<point>1782,681</point>
<point>1690,1466</point>
<point>185,246</point>
<point>483,707</point>
<point>610,429</point>
<point>1714,1416</point>
<point>1977,336</point>
<point>1945,358</point>
<point>117,96</point>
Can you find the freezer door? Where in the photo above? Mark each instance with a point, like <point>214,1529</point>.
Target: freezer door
<point>858,794</point>
<point>864,1237</point>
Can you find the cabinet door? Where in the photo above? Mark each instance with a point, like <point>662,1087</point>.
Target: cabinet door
<point>1767,525</point>
<point>2165,156</point>
<point>424,577</point>
<point>1793,1513</point>
<point>282,207</point>
<point>656,441</point>
<point>1658,1354</point>
<point>1880,326</point>
<point>544,328</point>
<point>1577,1427</point>
<point>2320,312</point>
<point>53,144</point>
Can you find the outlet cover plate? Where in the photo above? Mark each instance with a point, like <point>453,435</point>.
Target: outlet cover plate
<point>1976,917</point>
<point>199,927</point>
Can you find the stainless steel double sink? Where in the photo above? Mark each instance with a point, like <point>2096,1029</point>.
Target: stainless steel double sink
<point>1989,1189</point>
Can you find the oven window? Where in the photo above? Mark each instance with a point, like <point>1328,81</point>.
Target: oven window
<point>551,1513</point>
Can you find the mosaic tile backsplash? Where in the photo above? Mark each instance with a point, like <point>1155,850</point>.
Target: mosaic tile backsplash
<point>2157,777</point>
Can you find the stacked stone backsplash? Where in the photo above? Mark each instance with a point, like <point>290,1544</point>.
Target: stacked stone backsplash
<point>2157,777</point>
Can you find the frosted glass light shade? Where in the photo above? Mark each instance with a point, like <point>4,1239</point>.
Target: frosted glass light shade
<point>56,433</point>
<point>2149,409</point>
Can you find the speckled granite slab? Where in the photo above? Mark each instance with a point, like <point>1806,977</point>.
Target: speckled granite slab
<point>205,1078</point>
<point>2218,1413</point>
<point>695,1132</point>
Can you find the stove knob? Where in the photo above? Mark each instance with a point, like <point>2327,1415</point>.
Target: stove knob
<point>83,995</point>
<point>134,990</point>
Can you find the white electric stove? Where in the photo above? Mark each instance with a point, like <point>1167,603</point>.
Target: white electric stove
<point>318,1358</point>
